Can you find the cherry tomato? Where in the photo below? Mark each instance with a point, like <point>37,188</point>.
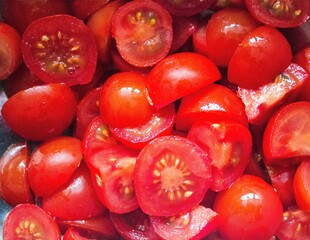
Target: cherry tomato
<point>53,163</point>
<point>229,146</point>
<point>302,185</point>
<point>143,32</point>
<point>282,14</point>
<point>74,234</point>
<point>83,9</point>
<point>178,75</point>
<point>160,124</point>
<point>249,209</point>
<point>171,176</point>
<point>76,199</point>
<point>124,100</point>
<point>10,42</point>
<point>14,184</point>
<point>196,224</point>
<point>60,48</point>
<point>199,36</point>
<point>286,134</point>
<point>214,102</point>
<point>30,117</point>
<point>250,65</point>
<point>30,221</point>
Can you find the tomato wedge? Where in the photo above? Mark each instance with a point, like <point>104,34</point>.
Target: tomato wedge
<point>143,32</point>
<point>302,185</point>
<point>171,175</point>
<point>60,48</point>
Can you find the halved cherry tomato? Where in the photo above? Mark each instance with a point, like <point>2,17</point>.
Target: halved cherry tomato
<point>302,185</point>
<point>195,224</point>
<point>85,8</point>
<point>76,199</point>
<point>40,112</point>
<point>286,134</point>
<point>249,209</point>
<point>143,32</point>
<point>160,124</point>
<point>185,8</point>
<point>179,74</point>
<point>134,225</point>
<point>250,65</point>
<point>124,100</point>
<point>282,14</point>
<point>171,176</point>
<point>30,221</point>
<point>228,144</point>
<point>214,102</point>
<point>199,36</point>
<point>53,163</point>
<point>60,48</point>
<point>263,102</point>
<point>11,57</point>
<point>14,184</point>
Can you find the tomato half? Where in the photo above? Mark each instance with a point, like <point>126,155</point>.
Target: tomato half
<point>249,209</point>
<point>143,32</point>
<point>179,74</point>
<point>60,48</point>
<point>171,176</point>
<point>302,185</point>
<point>228,145</point>
<point>30,117</point>
<point>30,221</point>
<point>286,134</point>
<point>282,14</point>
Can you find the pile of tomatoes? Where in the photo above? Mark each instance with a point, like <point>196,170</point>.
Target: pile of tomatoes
<point>156,119</point>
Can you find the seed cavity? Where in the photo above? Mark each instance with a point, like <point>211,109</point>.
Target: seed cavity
<point>282,7</point>
<point>27,230</point>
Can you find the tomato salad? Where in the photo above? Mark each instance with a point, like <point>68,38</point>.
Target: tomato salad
<point>150,119</point>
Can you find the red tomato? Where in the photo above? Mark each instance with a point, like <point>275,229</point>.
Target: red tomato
<point>124,100</point>
<point>185,8</point>
<point>214,102</point>
<point>302,185</point>
<point>196,224</point>
<point>30,117</point>
<point>29,221</point>
<point>74,234</point>
<point>76,199</point>
<point>228,144</point>
<point>286,134</point>
<point>60,48</point>
<point>171,176</point>
<point>143,32</point>
<point>249,209</point>
<point>225,31</point>
<point>83,9</point>
<point>35,9</point>
<point>263,102</point>
<point>178,75</point>
<point>282,14</point>
<point>100,24</point>
<point>251,66</point>
<point>53,163</point>
<point>134,225</point>
<point>199,36</point>
<point>14,185</point>
<point>160,124</point>
<point>11,57</point>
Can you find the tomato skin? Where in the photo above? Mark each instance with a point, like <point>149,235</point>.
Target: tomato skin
<point>124,100</point>
<point>60,48</point>
<point>14,185</point>
<point>199,36</point>
<point>249,209</point>
<point>165,84</point>
<point>164,168</point>
<point>258,47</point>
<point>53,163</point>
<point>83,9</point>
<point>24,215</point>
<point>77,194</point>
<point>285,134</point>
<point>30,117</point>
<point>302,185</point>
<point>209,103</point>
<point>225,31</point>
